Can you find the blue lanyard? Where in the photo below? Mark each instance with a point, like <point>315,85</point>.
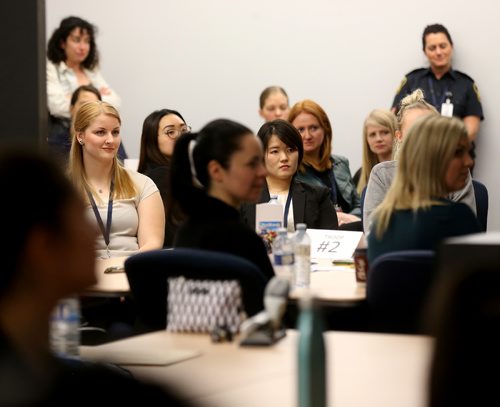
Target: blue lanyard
<point>106,231</point>
<point>433,94</point>
<point>287,206</point>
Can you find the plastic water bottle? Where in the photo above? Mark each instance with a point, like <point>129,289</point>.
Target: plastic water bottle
<point>283,251</point>
<point>302,243</point>
<point>312,355</point>
<point>65,324</point>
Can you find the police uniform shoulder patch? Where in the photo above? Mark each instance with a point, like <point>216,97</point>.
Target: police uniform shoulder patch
<point>403,82</point>
<point>409,76</point>
<point>476,91</point>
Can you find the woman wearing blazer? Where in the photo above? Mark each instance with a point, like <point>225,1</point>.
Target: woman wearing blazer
<point>302,203</point>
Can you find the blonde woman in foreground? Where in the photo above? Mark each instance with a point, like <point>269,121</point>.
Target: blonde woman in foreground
<point>416,214</point>
<point>412,107</point>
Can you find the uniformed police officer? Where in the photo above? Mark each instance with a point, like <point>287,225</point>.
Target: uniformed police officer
<point>450,91</point>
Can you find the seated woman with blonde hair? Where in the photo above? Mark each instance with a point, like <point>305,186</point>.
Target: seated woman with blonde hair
<point>125,205</point>
<point>411,108</point>
<point>416,214</point>
<point>379,130</point>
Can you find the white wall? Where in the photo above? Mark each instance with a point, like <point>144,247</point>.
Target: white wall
<point>211,59</point>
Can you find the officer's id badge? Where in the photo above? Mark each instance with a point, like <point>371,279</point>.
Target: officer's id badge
<point>447,109</point>
<point>476,90</point>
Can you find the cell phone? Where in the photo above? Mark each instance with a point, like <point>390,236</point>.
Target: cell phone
<point>343,262</point>
<point>114,269</point>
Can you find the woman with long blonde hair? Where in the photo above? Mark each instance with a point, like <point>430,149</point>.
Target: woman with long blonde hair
<point>379,131</point>
<point>125,205</point>
<point>412,107</point>
<point>415,213</point>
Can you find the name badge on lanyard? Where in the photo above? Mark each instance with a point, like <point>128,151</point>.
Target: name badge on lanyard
<point>447,106</point>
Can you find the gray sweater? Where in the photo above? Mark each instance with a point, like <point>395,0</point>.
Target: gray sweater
<point>380,180</point>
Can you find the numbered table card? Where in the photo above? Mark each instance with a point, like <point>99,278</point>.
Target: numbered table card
<point>333,244</point>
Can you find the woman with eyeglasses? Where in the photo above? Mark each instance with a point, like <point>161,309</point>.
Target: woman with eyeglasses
<point>160,131</point>
<point>320,167</point>
<point>302,202</point>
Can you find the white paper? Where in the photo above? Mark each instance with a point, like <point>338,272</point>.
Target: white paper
<point>269,217</point>
<point>333,244</point>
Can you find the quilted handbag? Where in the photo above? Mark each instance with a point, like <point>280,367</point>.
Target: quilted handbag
<point>203,305</point>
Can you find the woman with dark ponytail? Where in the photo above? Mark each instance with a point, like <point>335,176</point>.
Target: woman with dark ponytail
<point>213,173</point>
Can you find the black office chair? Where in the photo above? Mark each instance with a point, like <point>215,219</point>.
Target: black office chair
<point>362,201</point>
<point>148,272</point>
<point>481,195</point>
<point>397,289</point>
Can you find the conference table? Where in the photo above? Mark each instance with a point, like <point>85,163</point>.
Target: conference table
<point>109,284</point>
<point>363,369</point>
<point>330,284</point>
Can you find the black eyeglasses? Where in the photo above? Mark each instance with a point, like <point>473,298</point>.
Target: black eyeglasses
<point>176,133</point>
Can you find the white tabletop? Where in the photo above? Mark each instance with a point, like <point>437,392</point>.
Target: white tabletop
<point>363,369</point>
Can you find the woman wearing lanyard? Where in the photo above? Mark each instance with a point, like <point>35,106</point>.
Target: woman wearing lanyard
<point>126,205</point>
<point>302,202</point>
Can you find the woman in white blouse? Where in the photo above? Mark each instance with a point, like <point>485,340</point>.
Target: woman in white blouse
<point>125,205</point>
<point>73,61</point>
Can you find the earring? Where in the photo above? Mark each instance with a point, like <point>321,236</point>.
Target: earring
<point>80,141</point>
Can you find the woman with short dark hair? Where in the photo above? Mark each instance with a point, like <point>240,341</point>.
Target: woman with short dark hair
<point>302,202</point>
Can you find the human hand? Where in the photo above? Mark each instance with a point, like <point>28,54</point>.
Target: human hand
<point>346,218</point>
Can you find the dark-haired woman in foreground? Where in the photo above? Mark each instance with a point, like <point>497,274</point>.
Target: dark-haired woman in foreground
<point>213,173</point>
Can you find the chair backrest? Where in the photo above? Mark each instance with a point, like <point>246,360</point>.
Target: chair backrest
<point>397,289</point>
<point>148,272</point>
<point>481,195</point>
<point>362,201</point>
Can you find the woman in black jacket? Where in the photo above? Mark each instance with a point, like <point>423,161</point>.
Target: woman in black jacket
<point>302,203</point>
